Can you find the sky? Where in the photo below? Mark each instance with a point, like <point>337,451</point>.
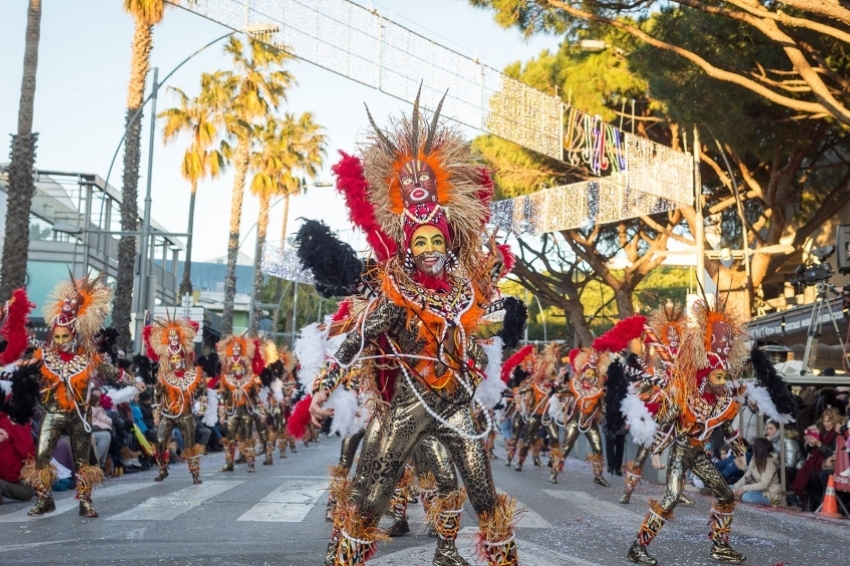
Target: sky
<point>81,91</point>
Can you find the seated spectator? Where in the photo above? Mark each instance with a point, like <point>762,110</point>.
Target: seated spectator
<point>819,445</point>
<point>793,456</point>
<point>16,439</point>
<point>101,428</point>
<point>731,470</point>
<point>760,484</point>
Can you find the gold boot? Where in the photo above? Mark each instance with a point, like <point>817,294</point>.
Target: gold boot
<point>229,449</point>
<point>269,461</point>
<point>496,537</point>
<point>597,465</point>
<point>87,478</point>
<point>639,555</point>
<point>633,475</point>
<point>444,516</point>
<point>447,554</point>
<point>398,504</point>
<point>41,480</point>
<point>193,461</point>
<point>652,523</point>
<point>720,523</point>
<point>248,450</point>
<point>162,461</point>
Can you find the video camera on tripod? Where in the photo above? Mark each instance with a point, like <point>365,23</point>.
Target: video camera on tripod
<point>810,274</point>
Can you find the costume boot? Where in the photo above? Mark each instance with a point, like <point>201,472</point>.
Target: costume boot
<point>523,454</point>
<point>535,452</point>
<point>398,505</point>
<point>444,515</point>
<point>162,462</point>
<point>269,453</point>
<point>597,465</point>
<point>510,446</point>
<point>339,481</point>
<point>685,500</point>
<point>87,477</point>
<point>281,447</point>
<point>633,475</point>
<point>248,450</point>
<point>496,537</point>
<point>229,449</point>
<point>292,445</point>
<point>352,543</point>
<point>427,496</point>
<point>192,455</point>
<point>556,461</point>
<point>41,480</point>
<point>720,523</point>
<point>652,523</point>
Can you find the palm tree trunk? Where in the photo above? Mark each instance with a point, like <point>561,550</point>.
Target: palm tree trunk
<point>241,161</point>
<point>279,282</point>
<point>262,227</point>
<point>186,284</point>
<point>139,67</point>
<point>21,187</point>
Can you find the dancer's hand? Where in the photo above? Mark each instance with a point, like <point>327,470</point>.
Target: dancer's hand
<point>317,412</point>
<point>657,463</point>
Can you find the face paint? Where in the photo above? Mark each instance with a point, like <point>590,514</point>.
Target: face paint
<point>721,339</point>
<point>588,379</point>
<point>672,336</point>
<point>63,338</point>
<point>428,246</point>
<point>418,183</point>
<point>176,361</point>
<point>716,382</point>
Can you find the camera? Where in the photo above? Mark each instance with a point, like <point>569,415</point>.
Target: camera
<point>810,274</point>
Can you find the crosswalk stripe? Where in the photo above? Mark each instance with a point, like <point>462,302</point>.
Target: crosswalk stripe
<point>530,519</point>
<point>613,513</point>
<point>67,504</point>
<point>167,507</point>
<point>289,503</point>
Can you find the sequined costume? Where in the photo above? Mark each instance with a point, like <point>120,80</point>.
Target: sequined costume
<point>699,398</point>
<point>179,383</point>
<point>535,395</point>
<point>69,361</point>
<point>239,388</point>
<point>432,286</point>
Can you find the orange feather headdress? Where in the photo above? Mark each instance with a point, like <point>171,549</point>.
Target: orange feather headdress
<point>170,336</point>
<point>80,305</point>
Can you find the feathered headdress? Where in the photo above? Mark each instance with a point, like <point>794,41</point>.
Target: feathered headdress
<point>615,340</point>
<point>81,306</point>
<point>169,336</point>
<point>249,348</point>
<point>704,315</point>
<point>665,318</point>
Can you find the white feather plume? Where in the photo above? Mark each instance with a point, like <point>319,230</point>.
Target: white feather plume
<point>345,421</point>
<point>211,416</point>
<point>310,351</point>
<point>264,396</point>
<point>641,423</point>
<point>556,409</point>
<point>761,397</point>
<point>122,395</point>
<point>5,386</point>
<point>277,390</point>
<point>489,391</point>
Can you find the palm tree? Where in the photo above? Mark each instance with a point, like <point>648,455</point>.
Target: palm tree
<point>199,117</point>
<point>21,187</point>
<point>259,84</point>
<point>286,147</point>
<point>146,14</point>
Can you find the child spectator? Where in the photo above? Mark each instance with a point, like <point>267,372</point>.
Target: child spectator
<point>759,483</point>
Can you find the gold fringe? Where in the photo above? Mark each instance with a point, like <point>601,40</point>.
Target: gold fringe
<point>442,503</point>
<point>499,526</point>
<point>89,476</point>
<point>347,518</point>
<point>658,510</point>
<point>406,479</point>
<point>427,481</point>
<point>193,451</point>
<point>38,477</point>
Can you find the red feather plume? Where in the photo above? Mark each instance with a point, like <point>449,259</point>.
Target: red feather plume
<point>14,329</point>
<point>296,424</point>
<point>146,336</point>
<point>351,182</point>
<point>258,364</point>
<point>573,353</point>
<point>514,361</point>
<point>508,257</point>
<point>342,312</point>
<point>485,193</point>
<point>618,338</point>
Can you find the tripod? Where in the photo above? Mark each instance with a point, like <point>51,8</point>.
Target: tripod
<point>820,305</point>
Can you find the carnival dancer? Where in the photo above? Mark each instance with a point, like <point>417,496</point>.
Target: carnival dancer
<point>170,342</point>
<point>241,364</point>
<point>516,371</point>
<point>69,361</point>
<point>699,399</point>
<point>535,398</point>
<point>582,407</point>
<point>428,206</point>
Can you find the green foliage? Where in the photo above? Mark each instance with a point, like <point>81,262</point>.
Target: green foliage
<point>310,306</point>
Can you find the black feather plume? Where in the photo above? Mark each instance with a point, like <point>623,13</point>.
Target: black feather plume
<point>144,369</point>
<point>616,389</point>
<point>266,377</point>
<point>277,369</point>
<point>518,377</point>
<point>211,364</point>
<point>773,382</point>
<point>106,338</point>
<point>513,325</point>
<point>20,404</point>
<point>336,268</point>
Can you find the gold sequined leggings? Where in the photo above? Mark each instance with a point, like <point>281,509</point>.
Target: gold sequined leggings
<point>348,449</point>
<point>185,423</point>
<point>571,435</point>
<point>683,457</point>
<point>240,426</point>
<point>389,442</point>
<point>57,423</point>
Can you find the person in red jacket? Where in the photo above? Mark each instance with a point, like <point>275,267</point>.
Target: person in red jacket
<point>16,441</point>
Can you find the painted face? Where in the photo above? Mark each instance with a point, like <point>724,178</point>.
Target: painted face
<point>672,336</point>
<point>428,246</point>
<point>72,305</point>
<point>177,362</point>
<point>173,337</point>
<point>588,379</point>
<point>418,183</point>
<point>237,350</point>
<point>63,338</point>
<point>721,339</point>
<point>716,382</point>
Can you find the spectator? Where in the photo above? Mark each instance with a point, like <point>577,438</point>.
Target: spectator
<point>759,483</point>
<point>819,445</point>
<point>16,439</point>
<point>101,428</point>
<point>750,419</point>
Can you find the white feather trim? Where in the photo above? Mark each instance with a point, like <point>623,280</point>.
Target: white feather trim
<point>277,390</point>
<point>344,404</point>
<point>310,351</point>
<point>641,423</point>
<point>556,409</point>
<point>264,396</point>
<point>5,386</point>
<point>122,395</point>
<point>211,416</point>
<point>489,391</point>
<point>760,396</point>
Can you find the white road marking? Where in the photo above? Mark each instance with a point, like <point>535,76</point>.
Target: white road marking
<point>67,504</point>
<point>167,507</point>
<point>530,519</point>
<point>289,503</point>
<point>9,547</point>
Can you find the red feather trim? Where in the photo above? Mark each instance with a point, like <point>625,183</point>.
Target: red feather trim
<point>14,329</point>
<point>258,364</point>
<point>514,361</point>
<point>342,312</point>
<point>351,182</point>
<point>146,336</point>
<point>573,353</point>
<point>196,326</point>
<point>508,258</point>
<point>296,424</point>
<point>618,338</point>
<point>485,193</point>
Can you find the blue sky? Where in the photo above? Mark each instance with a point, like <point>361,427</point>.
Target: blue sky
<point>84,60</point>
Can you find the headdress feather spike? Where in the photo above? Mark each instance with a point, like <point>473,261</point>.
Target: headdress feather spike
<point>414,124</point>
<point>388,145</point>
<point>435,120</point>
